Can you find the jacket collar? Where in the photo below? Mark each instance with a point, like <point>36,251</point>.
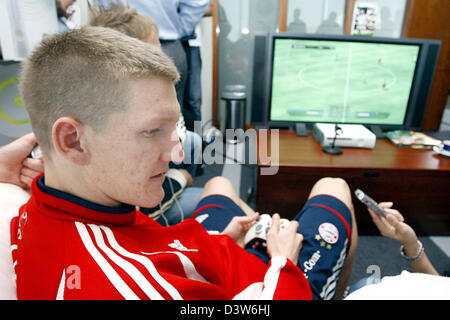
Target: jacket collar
<point>65,206</point>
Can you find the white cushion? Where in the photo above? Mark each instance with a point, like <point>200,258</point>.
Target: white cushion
<point>405,286</point>
<point>12,197</point>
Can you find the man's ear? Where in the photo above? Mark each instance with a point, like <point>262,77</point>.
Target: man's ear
<point>68,140</point>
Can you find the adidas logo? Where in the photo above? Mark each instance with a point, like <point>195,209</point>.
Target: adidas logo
<point>176,244</point>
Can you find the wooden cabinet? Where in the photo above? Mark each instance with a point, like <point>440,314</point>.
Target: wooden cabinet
<point>417,181</point>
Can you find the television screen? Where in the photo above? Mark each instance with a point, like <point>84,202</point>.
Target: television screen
<point>341,81</point>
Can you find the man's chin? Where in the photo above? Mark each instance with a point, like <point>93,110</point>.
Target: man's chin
<point>153,200</point>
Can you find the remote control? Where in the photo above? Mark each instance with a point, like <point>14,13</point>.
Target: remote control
<point>369,202</point>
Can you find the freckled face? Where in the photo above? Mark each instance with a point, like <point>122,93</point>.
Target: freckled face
<point>129,155</point>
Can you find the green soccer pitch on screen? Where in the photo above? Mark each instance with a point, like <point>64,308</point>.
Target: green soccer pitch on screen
<point>341,81</point>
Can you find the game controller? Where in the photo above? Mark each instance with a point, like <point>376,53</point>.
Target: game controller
<point>369,202</point>
<point>257,235</point>
<point>36,153</point>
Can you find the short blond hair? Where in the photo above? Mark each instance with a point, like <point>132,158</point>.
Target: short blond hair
<point>124,19</point>
<point>85,74</point>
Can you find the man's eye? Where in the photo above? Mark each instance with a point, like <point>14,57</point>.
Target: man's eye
<point>151,132</point>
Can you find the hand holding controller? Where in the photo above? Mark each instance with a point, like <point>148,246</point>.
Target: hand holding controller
<point>257,234</point>
<point>36,153</point>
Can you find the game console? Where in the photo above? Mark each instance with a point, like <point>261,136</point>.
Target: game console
<point>349,135</point>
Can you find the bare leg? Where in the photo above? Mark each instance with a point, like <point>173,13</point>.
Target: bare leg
<point>222,186</point>
<point>338,188</point>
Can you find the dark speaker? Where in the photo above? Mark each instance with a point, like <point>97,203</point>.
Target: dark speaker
<point>431,57</point>
<point>258,107</point>
<point>421,91</point>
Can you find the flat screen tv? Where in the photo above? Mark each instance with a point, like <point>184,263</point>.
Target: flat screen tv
<point>382,82</point>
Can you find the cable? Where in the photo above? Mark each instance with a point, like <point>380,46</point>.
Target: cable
<point>165,219</point>
<point>176,201</point>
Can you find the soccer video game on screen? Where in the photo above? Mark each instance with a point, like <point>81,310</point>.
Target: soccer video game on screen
<point>341,81</point>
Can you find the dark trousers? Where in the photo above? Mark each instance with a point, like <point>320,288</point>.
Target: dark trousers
<point>193,92</point>
<point>179,52</point>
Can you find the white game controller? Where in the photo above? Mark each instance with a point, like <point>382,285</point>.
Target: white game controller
<point>36,153</point>
<point>257,234</point>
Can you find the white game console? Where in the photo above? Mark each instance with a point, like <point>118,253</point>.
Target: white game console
<point>350,135</point>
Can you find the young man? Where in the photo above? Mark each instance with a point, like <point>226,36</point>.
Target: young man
<point>104,108</point>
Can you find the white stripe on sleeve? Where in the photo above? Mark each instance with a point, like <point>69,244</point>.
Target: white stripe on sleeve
<point>109,271</point>
<point>252,292</point>
<point>171,290</point>
<point>188,266</point>
<point>129,268</point>
<point>271,277</point>
<point>62,286</point>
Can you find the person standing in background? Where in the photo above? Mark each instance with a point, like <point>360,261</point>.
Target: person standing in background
<point>176,20</point>
<point>193,93</point>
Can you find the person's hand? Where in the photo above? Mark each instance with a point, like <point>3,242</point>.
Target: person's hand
<point>393,226</point>
<point>62,6</point>
<point>238,227</point>
<point>15,166</point>
<point>286,242</point>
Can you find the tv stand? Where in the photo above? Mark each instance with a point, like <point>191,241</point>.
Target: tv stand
<point>301,130</point>
<point>377,131</point>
